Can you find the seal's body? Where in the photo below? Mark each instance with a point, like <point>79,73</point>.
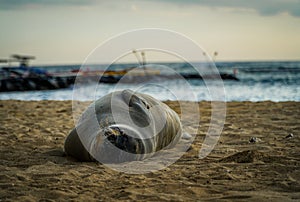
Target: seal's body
<point>123,126</point>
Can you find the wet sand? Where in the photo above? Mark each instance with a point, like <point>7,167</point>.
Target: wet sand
<point>33,166</point>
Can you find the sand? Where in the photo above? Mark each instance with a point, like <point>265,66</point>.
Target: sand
<point>33,166</point>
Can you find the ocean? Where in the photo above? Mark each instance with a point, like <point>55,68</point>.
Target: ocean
<point>258,81</point>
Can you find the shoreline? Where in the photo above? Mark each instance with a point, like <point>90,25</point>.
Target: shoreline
<point>33,165</point>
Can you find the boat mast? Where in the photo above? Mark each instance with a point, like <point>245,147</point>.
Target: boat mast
<point>215,56</point>
<point>142,62</point>
<point>137,57</point>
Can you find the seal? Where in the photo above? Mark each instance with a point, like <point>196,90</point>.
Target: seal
<point>123,126</point>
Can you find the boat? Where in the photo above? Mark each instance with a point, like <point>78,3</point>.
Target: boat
<point>146,73</point>
<point>26,78</point>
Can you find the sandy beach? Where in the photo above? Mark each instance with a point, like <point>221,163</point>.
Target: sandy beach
<point>34,168</point>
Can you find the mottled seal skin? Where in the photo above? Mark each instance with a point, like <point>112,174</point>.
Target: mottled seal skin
<point>123,126</point>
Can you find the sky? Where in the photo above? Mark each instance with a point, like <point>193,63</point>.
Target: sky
<point>66,32</point>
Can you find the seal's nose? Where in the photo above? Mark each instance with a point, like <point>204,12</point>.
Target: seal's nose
<point>138,108</point>
<point>139,114</point>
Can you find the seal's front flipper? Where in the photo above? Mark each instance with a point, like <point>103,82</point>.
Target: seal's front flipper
<point>74,147</point>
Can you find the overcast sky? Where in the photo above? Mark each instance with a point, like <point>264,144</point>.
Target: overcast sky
<point>59,32</point>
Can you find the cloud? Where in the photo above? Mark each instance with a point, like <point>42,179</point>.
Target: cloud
<point>19,4</point>
<point>263,7</point>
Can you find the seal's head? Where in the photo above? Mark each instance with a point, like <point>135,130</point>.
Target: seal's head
<point>130,135</point>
